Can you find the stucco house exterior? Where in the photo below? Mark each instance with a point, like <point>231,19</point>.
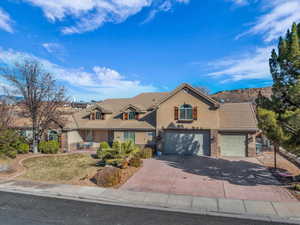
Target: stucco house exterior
<point>183,121</point>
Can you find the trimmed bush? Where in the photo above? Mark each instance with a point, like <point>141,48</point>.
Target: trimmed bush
<point>104,145</point>
<point>116,145</point>
<point>108,153</point>
<point>135,162</point>
<point>23,148</point>
<point>297,187</point>
<point>49,147</point>
<point>108,177</point>
<point>102,148</point>
<point>146,153</point>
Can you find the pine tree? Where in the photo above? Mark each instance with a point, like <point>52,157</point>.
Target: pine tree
<point>279,117</point>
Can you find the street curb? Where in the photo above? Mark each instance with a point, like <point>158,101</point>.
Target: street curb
<point>202,212</point>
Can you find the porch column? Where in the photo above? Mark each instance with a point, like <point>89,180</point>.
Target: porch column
<point>64,141</point>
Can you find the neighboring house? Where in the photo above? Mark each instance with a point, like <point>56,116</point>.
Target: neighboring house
<point>184,121</point>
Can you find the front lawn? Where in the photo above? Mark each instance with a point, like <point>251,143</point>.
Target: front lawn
<point>72,169</point>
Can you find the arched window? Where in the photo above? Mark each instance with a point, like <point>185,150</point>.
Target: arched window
<point>186,112</point>
<point>52,135</point>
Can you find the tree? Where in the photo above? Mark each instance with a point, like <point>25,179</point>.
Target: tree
<point>6,118</point>
<point>41,96</point>
<point>279,117</point>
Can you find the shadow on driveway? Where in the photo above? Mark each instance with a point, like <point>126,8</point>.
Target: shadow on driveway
<point>235,171</point>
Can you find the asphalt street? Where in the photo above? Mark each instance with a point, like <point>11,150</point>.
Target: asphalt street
<point>19,209</point>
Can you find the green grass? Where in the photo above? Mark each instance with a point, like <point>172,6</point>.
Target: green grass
<point>59,168</point>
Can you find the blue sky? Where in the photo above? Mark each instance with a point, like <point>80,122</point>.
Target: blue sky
<point>119,48</point>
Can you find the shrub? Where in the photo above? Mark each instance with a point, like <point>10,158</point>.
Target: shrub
<point>146,153</point>
<point>49,147</point>
<point>297,187</point>
<point>115,162</point>
<point>108,153</point>
<point>23,148</point>
<point>12,154</point>
<point>102,148</point>
<point>116,145</point>
<point>108,177</point>
<point>135,161</point>
<point>104,145</point>
<point>10,141</point>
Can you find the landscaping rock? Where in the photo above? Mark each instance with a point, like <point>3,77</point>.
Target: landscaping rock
<point>108,177</point>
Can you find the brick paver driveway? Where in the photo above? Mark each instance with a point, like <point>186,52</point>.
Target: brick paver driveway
<point>209,177</point>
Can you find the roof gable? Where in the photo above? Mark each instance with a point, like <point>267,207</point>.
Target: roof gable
<point>195,91</point>
<point>100,108</point>
<point>131,107</point>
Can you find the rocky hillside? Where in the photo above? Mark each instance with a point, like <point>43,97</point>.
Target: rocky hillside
<point>241,95</point>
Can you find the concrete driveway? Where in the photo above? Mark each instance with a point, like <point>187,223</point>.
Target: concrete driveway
<point>232,178</point>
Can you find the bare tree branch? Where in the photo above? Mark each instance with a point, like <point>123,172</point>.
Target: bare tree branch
<point>41,96</point>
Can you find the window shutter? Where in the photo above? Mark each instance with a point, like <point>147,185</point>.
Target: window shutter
<point>136,116</point>
<point>93,116</point>
<point>125,116</point>
<point>175,113</point>
<point>195,113</point>
<point>102,116</point>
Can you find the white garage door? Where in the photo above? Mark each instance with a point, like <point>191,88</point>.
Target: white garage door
<point>233,145</point>
<point>187,143</point>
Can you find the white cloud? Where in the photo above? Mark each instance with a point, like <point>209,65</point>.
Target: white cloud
<point>5,21</point>
<point>164,6</point>
<point>253,65</point>
<point>278,17</point>
<point>55,49</point>
<point>52,47</point>
<point>98,84</point>
<point>92,14</point>
<point>240,2</point>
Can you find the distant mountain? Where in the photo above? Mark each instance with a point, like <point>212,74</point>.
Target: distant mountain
<point>11,99</point>
<point>241,95</point>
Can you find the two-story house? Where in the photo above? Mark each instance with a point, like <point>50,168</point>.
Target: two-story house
<point>184,121</point>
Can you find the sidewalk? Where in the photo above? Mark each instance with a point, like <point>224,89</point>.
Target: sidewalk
<point>268,211</point>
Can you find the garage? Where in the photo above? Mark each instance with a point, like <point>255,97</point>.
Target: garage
<point>187,143</point>
<point>233,145</point>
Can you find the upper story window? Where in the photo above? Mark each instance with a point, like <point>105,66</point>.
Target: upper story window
<point>130,115</point>
<point>98,116</point>
<point>186,112</point>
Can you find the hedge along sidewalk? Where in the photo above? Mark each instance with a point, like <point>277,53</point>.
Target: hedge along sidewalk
<point>259,210</point>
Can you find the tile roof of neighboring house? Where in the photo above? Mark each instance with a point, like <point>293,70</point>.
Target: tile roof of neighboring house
<point>237,116</point>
